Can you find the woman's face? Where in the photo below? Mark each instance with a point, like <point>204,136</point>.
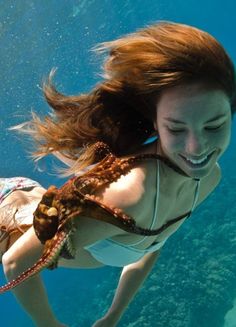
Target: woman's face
<point>194,126</point>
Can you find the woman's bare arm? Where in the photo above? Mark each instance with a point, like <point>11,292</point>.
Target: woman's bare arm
<point>131,279</point>
<point>31,294</point>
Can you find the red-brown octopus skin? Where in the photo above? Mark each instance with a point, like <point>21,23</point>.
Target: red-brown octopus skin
<point>55,215</point>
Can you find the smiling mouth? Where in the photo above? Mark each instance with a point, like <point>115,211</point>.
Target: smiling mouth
<point>197,163</point>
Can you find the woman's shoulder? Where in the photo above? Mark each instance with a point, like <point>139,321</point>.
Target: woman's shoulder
<point>129,194</point>
<point>130,188</point>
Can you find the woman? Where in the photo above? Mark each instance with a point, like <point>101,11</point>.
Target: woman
<point>169,89</point>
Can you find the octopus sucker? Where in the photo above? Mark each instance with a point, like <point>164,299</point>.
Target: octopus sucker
<point>45,261</point>
<point>55,216</point>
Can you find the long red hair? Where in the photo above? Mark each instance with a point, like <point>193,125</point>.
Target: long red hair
<point>121,109</point>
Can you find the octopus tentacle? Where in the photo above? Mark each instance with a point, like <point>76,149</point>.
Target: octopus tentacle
<point>112,168</point>
<point>47,260</point>
<point>117,217</point>
<point>55,214</point>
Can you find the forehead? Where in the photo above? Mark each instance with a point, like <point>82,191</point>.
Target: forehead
<point>192,101</point>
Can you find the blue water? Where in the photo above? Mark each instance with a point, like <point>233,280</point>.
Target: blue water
<point>194,282</point>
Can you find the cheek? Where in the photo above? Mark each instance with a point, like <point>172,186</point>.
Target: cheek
<point>223,139</point>
<point>227,140</point>
<point>170,143</point>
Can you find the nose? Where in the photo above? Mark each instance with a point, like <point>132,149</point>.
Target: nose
<point>196,145</point>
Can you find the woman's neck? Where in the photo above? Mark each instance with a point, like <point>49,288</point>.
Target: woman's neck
<point>171,173</point>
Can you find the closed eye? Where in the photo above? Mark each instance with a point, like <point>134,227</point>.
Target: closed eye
<point>175,131</point>
<point>214,128</point>
<point>180,130</point>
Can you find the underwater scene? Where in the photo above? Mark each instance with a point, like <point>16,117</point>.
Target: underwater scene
<point>194,281</point>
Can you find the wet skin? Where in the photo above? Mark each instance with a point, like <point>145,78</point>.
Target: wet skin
<point>194,125</point>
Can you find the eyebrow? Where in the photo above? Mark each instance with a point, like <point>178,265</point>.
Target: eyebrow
<point>181,122</point>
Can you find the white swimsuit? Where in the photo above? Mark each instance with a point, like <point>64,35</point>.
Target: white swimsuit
<point>112,253</point>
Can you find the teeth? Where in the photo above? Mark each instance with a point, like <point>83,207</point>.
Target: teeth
<point>197,161</point>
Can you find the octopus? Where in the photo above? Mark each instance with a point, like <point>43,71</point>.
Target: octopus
<point>55,216</point>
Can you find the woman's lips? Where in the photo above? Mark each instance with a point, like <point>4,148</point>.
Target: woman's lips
<point>193,162</point>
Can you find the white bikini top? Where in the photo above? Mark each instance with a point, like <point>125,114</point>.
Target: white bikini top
<point>112,253</point>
